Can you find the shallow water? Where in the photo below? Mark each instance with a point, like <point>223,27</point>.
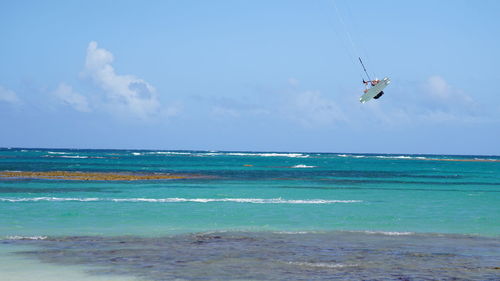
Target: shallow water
<point>276,256</point>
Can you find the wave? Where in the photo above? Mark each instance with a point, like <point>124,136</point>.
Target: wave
<point>69,156</point>
<point>389,233</point>
<point>170,153</point>
<point>216,153</point>
<point>297,232</point>
<point>52,199</point>
<point>322,264</point>
<point>26,237</point>
<point>181,200</point>
<point>401,157</point>
<point>57,152</point>
<point>351,156</point>
<point>302,166</point>
<point>292,155</point>
<point>75,157</point>
<point>397,157</point>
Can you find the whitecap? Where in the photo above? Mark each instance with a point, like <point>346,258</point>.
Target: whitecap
<point>235,200</point>
<point>295,232</point>
<point>74,157</point>
<point>57,152</point>
<point>390,233</point>
<point>170,153</point>
<point>180,200</point>
<point>50,199</point>
<point>15,237</point>
<point>401,157</point>
<point>292,155</point>
<point>303,166</point>
<point>322,264</point>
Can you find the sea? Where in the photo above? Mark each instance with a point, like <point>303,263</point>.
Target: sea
<point>250,216</point>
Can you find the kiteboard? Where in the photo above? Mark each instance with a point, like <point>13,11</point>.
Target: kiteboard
<point>375,90</point>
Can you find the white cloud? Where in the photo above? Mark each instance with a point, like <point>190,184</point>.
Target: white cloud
<point>8,96</point>
<point>66,94</point>
<point>310,108</point>
<point>438,89</point>
<point>125,93</point>
<point>433,100</point>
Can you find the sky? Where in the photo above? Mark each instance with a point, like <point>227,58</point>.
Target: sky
<point>250,75</point>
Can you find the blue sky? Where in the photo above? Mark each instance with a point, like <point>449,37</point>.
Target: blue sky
<point>250,75</point>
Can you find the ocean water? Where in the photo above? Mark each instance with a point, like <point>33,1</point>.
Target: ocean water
<point>253,216</point>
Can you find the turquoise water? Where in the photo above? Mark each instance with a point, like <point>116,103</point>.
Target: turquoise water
<point>251,216</point>
<point>278,192</point>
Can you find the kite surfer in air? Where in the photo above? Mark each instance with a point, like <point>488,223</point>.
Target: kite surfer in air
<point>372,83</point>
<point>376,87</point>
<point>373,88</point>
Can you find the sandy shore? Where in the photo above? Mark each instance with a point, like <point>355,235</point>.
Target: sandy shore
<point>91,176</point>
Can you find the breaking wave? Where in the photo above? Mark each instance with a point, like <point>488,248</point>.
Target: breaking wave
<point>170,153</point>
<point>57,152</point>
<point>302,166</point>
<point>26,237</point>
<point>217,153</point>
<point>398,157</point>
<point>322,264</point>
<point>389,233</point>
<point>292,155</point>
<point>180,200</point>
<point>69,156</point>
<point>401,157</point>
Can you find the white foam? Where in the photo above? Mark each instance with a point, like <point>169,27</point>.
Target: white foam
<point>402,157</point>
<point>170,153</point>
<point>236,200</point>
<point>136,153</point>
<point>303,166</point>
<point>180,200</point>
<point>394,157</point>
<point>292,155</point>
<point>295,232</point>
<point>390,233</point>
<point>75,157</point>
<point>26,237</point>
<point>57,152</point>
<point>323,264</point>
<point>66,156</point>
<point>51,199</point>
